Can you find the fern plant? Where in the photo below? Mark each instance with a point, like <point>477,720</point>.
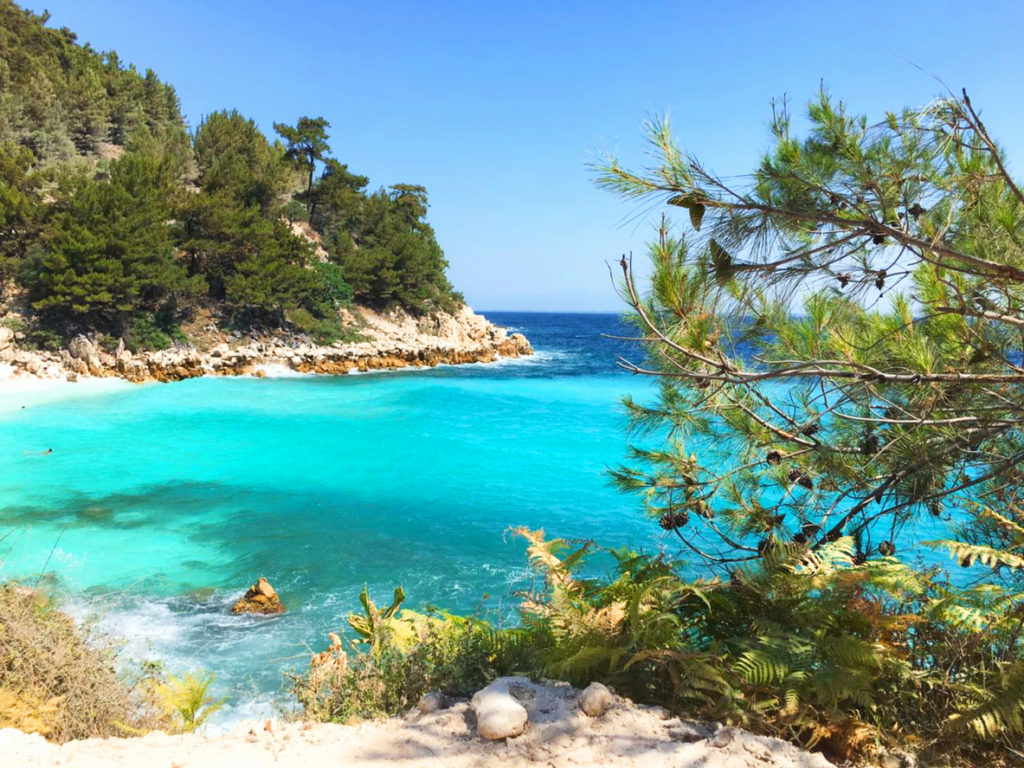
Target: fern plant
<point>186,701</point>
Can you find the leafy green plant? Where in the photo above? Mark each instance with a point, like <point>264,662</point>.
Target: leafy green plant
<point>398,655</point>
<point>323,330</point>
<point>185,700</point>
<point>44,339</point>
<point>837,346</point>
<point>813,646</point>
<point>146,333</point>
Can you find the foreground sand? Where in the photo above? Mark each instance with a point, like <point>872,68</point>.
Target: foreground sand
<point>559,735</point>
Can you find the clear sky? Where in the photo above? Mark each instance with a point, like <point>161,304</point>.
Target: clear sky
<point>496,107</point>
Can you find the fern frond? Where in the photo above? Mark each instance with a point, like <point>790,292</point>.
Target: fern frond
<point>998,713</point>
<point>968,554</point>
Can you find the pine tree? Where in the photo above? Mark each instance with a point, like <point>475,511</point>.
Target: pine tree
<point>19,208</point>
<point>306,146</point>
<point>110,248</point>
<point>838,341</point>
<point>234,156</point>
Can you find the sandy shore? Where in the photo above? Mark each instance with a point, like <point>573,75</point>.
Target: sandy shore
<point>18,393</point>
<point>559,736</point>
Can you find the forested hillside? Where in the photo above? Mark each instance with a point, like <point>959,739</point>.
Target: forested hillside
<point>116,218</point>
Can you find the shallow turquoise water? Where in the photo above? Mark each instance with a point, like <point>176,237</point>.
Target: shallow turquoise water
<point>160,503</point>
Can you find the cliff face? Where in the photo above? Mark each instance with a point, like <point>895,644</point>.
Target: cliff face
<point>388,340</point>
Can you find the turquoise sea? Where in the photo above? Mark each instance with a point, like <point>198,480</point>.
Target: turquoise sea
<point>161,503</point>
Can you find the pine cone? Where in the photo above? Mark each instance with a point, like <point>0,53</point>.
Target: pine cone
<point>672,520</point>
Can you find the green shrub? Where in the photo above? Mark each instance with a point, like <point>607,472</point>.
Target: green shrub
<point>295,211</point>
<point>109,342</point>
<point>850,658</point>
<point>43,339</point>
<point>185,700</point>
<point>401,655</point>
<point>335,291</point>
<point>146,333</point>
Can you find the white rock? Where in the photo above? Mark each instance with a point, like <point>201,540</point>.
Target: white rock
<point>596,699</point>
<point>498,714</point>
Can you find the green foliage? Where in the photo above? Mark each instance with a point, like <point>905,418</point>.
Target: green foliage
<point>334,290</point>
<point>185,700</point>
<point>307,145</point>
<point>233,156</point>
<point>58,98</point>
<point>339,198</point>
<point>43,338</point>
<point>399,656</point>
<point>110,248</point>
<point>845,325</point>
<point>837,347</point>
<point>812,647</point>
<point>392,256</point>
<point>110,212</point>
<point>19,208</point>
<point>272,276</point>
<point>146,332</point>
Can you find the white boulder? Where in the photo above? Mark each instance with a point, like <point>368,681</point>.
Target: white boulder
<point>498,714</point>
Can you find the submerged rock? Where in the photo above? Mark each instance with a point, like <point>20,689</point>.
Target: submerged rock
<point>261,598</point>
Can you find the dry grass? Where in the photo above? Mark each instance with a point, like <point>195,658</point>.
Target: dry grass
<point>57,680</point>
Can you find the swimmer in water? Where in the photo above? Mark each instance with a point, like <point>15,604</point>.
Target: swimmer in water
<point>47,452</point>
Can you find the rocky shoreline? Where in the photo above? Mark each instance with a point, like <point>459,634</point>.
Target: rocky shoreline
<point>388,341</point>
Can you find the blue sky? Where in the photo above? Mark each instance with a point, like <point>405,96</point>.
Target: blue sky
<point>497,107</point>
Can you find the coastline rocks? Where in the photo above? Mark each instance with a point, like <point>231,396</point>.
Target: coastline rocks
<point>261,598</point>
<point>498,714</point>
<point>386,341</point>
<point>7,347</point>
<point>596,699</point>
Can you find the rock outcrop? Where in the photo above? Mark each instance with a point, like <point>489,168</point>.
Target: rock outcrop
<point>260,598</point>
<point>388,341</point>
